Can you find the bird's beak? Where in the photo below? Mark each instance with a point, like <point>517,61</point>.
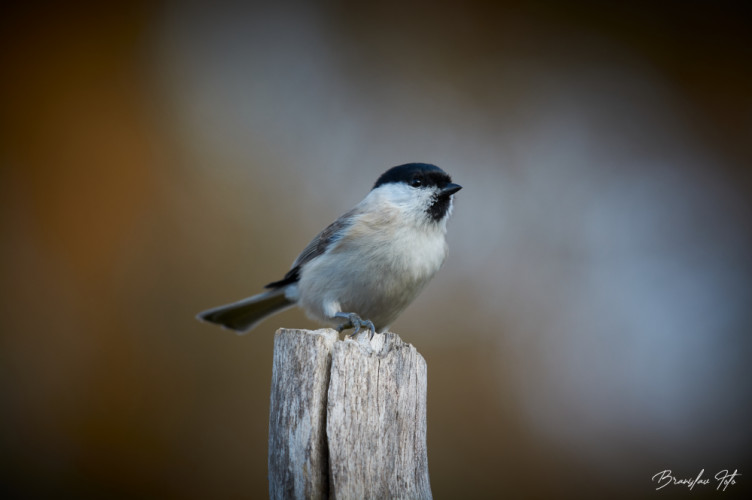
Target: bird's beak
<point>450,189</point>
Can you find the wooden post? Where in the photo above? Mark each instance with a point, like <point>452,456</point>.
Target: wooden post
<point>348,418</point>
<point>298,466</point>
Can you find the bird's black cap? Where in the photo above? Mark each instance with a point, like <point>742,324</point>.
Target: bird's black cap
<point>427,174</point>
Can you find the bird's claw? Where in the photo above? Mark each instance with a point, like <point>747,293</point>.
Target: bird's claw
<point>356,322</point>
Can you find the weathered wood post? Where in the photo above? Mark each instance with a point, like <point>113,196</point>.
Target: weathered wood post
<point>298,466</point>
<point>347,417</point>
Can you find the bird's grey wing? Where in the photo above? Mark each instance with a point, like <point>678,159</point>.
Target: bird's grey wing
<point>316,247</point>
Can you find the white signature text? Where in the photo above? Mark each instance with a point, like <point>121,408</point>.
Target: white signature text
<point>721,480</point>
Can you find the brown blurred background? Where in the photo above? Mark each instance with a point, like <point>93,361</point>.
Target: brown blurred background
<point>590,328</point>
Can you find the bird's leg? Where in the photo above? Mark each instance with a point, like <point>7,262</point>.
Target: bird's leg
<point>354,321</point>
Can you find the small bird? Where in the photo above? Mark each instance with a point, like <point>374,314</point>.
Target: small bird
<point>366,267</point>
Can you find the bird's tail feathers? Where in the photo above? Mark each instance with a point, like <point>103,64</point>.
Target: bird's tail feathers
<point>243,315</point>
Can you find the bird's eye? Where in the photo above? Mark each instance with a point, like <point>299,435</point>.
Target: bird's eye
<point>416,182</point>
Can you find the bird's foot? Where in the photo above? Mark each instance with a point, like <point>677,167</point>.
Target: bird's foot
<point>354,321</point>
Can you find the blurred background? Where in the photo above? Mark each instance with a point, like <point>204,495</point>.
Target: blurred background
<point>590,328</point>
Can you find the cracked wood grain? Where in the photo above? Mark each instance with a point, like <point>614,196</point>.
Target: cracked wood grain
<point>298,466</point>
<point>373,424</point>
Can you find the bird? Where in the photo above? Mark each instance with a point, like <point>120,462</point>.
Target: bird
<point>365,268</point>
